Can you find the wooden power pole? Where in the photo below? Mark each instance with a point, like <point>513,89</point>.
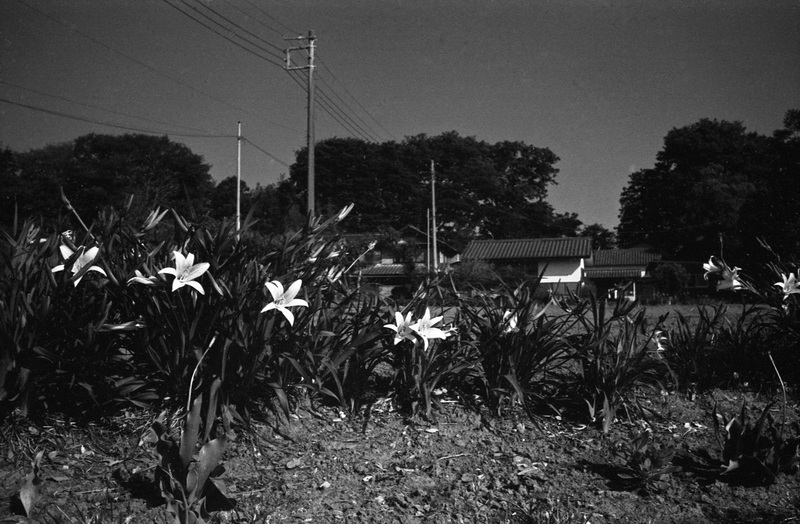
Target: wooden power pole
<point>311,38</point>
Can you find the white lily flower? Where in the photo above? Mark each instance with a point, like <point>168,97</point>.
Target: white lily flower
<point>141,279</point>
<point>661,341</point>
<point>86,257</point>
<point>186,271</point>
<point>711,267</point>
<point>282,300</point>
<point>424,328</point>
<point>730,279</point>
<point>510,319</point>
<point>401,327</point>
<point>789,285</point>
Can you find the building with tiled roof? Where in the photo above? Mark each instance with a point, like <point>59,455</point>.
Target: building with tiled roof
<point>396,266</point>
<point>618,273</point>
<point>559,261</point>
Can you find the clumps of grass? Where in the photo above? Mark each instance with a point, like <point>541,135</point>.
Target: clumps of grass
<point>646,463</point>
<point>754,453</point>
<point>615,359</point>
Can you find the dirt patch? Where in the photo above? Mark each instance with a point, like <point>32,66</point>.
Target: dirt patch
<point>465,467</point>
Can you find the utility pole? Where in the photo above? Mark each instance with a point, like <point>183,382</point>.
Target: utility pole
<point>311,38</point>
<point>428,242</point>
<point>433,218</point>
<point>238,180</point>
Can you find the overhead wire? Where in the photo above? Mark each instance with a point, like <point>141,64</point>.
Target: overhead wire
<point>354,124</point>
<point>278,160</point>
<point>335,110</point>
<point>257,8</point>
<point>326,104</point>
<point>149,131</point>
<point>219,24</point>
<point>111,124</point>
<point>280,50</point>
<point>364,109</point>
<point>92,106</point>
<point>151,68</point>
<point>332,107</point>
<point>365,128</point>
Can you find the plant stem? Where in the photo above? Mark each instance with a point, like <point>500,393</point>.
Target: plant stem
<point>783,388</point>
<point>74,212</point>
<point>194,373</point>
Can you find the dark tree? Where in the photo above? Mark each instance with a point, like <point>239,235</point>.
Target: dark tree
<point>10,187</point>
<point>96,171</point>
<point>772,214</point>
<point>602,238</point>
<point>32,185</point>
<point>222,199</point>
<point>690,202</point>
<point>494,190</point>
<point>276,208</point>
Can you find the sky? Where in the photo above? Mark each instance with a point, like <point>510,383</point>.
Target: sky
<point>598,82</point>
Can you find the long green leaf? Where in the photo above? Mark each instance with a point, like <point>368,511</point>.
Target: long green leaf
<point>209,458</point>
<point>211,408</point>
<point>191,429</point>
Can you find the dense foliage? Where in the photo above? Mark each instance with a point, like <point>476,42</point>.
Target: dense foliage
<point>717,187</point>
<point>98,171</point>
<point>495,190</point>
<point>212,324</point>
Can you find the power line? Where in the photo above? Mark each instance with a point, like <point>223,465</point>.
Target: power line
<point>120,113</point>
<point>258,38</point>
<point>278,160</point>
<point>335,110</point>
<point>217,23</point>
<point>79,118</point>
<point>325,66</point>
<point>254,6</point>
<point>111,124</point>
<point>327,101</point>
<point>343,120</point>
<point>150,68</point>
<point>329,106</point>
<point>365,128</point>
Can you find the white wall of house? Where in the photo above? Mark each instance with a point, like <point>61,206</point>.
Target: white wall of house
<point>564,271</point>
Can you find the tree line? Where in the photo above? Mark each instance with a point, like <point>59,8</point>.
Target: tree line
<point>715,187</point>
<point>487,190</point>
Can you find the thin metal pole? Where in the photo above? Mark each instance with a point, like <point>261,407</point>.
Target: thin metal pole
<point>239,180</point>
<point>433,218</point>
<point>428,242</point>
<point>311,140</point>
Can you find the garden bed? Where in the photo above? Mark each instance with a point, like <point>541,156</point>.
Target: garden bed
<point>464,467</point>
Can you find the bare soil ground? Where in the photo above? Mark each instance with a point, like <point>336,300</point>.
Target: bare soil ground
<point>379,468</point>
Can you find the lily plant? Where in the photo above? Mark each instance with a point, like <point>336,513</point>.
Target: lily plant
<point>401,328</point>
<point>424,327</point>
<point>85,258</point>
<point>282,299</point>
<point>789,285</point>
<point>185,272</point>
<point>728,278</point>
<point>422,365</point>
